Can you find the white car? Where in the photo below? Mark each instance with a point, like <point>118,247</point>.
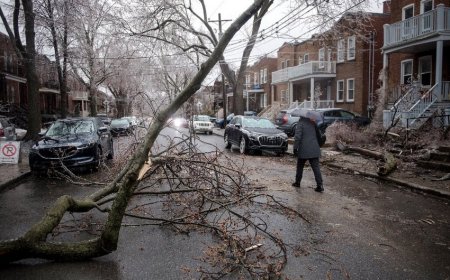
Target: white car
<point>202,123</point>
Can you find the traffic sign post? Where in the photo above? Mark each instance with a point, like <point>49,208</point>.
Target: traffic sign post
<point>9,152</point>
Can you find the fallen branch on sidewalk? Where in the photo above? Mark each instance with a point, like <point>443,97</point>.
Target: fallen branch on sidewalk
<point>387,161</point>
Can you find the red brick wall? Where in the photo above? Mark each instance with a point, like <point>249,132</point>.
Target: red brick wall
<point>397,6</point>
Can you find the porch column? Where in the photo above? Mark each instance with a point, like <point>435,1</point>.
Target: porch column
<point>438,77</point>
<point>291,92</point>
<point>311,92</point>
<point>272,94</point>
<point>385,73</point>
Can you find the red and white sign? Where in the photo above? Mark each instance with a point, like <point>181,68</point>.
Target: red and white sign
<point>9,152</point>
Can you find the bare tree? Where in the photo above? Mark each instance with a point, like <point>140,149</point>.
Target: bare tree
<point>35,242</point>
<point>28,55</point>
<point>54,16</point>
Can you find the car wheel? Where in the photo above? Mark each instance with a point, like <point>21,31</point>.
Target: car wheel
<point>111,151</point>
<point>227,143</point>
<point>242,146</point>
<point>98,158</point>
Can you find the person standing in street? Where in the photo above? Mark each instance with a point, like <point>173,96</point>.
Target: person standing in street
<point>307,145</point>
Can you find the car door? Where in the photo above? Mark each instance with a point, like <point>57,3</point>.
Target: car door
<point>232,130</point>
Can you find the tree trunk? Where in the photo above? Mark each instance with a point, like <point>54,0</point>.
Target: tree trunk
<point>34,110</point>
<point>33,243</point>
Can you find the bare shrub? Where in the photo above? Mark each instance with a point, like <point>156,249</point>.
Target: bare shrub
<point>350,134</point>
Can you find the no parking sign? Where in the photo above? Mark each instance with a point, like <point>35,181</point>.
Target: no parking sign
<point>9,152</point>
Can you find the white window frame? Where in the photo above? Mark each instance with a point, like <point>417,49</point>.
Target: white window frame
<point>350,90</point>
<point>407,28</point>
<point>402,70</point>
<point>255,78</point>
<point>265,75</point>
<point>305,58</point>
<point>422,5</point>
<point>406,8</point>
<point>247,80</point>
<point>340,50</point>
<point>261,76</point>
<point>263,100</point>
<point>287,63</point>
<point>351,47</point>
<point>430,58</point>
<point>339,90</point>
<point>321,57</point>
<point>283,64</point>
<point>300,60</point>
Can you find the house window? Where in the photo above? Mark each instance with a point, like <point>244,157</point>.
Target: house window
<point>340,91</point>
<point>321,58</point>
<point>351,47</point>
<point>261,76</point>
<point>287,62</point>
<point>407,13</point>
<point>306,58</point>
<point>426,6</point>
<point>300,60</point>
<point>255,78</point>
<point>350,90</point>
<point>265,75</point>
<point>247,79</point>
<point>283,64</point>
<point>263,100</point>
<point>426,20</point>
<point>406,71</point>
<point>425,70</point>
<point>340,50</point>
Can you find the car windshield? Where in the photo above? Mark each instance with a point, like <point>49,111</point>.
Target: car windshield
<point>258,123</point>
<point>119,123</point>
<point>62,128</point>
<point>201,118</point>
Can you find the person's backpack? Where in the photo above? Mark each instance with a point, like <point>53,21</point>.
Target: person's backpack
<point>321,138</point>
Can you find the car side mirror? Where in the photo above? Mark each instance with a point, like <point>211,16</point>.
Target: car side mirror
<point>238,126</point>
<point>102,129</point>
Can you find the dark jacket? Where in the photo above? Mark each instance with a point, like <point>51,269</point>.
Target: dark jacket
<point>306,139</point>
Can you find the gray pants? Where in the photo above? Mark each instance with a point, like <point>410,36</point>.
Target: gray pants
<point>314,162</point>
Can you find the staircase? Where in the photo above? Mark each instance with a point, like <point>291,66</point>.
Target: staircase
<point>416,106</point>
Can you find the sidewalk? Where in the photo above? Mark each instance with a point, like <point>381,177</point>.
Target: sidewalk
<point>12,173</point>
<point>416,179</point>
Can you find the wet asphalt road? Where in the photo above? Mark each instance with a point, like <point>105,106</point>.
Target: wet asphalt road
<point>360,229</point>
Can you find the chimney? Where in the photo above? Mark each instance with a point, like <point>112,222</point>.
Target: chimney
<point>387,7</point>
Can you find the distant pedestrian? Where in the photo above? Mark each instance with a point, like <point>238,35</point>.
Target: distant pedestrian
<point>308,149</point>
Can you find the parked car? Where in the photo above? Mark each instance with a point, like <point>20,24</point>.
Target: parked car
<point>286,120</point>
<point>219,122</point>
<point>202,123</point>
<point>121,127</point>
<point>106,120</point>
<point>7,129</point>
<point>74,143</point>
<point>132,120</point>
<point>252,133</point>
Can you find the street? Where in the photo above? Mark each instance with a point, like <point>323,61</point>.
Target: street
<point>360,228</point>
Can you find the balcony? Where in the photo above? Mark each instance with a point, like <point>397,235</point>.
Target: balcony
<point>426,25</point>
<point>303,71</point>
<point>79,95</point>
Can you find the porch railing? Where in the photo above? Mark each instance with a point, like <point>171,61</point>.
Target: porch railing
<point>302,70</point>
<point>312,104</point>
<point>436,20</point>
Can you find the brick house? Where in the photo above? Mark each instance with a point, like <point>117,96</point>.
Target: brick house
<point>257,86</point>
<point>337,68</point>
<point>416,53</point>
<point>13,83</point>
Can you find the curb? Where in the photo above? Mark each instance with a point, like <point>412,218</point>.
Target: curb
<point>15,180</point>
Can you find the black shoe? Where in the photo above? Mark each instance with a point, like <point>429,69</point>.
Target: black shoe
<point>295,184</point>
<point>319,188</point>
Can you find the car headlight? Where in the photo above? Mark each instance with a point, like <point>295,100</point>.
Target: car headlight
<point>282,135</point>
<point>254,135</point>
<point>86,146</point>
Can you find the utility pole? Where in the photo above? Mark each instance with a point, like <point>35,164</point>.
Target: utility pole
<point>224,93</point>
